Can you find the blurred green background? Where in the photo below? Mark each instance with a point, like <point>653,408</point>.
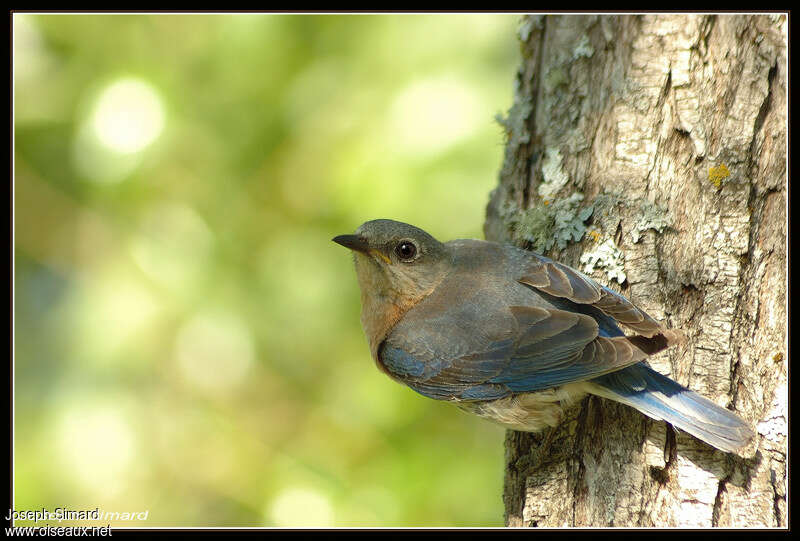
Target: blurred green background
<point>187,337</point>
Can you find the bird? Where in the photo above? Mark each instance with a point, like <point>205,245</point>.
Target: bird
<point>515,337</point>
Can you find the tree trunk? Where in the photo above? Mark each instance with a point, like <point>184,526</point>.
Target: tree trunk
<point>650,152</point>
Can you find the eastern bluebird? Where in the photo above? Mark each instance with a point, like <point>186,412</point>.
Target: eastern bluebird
<point>513,336</point>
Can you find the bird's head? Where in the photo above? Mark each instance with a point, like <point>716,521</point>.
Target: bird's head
<point>395,260</point>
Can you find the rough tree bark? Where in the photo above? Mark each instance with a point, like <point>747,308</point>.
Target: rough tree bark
<point>650,151</point>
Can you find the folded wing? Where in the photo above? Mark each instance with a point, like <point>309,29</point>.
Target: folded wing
<point>562,281</point>
<point>548,348</point>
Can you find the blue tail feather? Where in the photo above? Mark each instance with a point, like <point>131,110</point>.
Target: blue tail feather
<point>659,397</point>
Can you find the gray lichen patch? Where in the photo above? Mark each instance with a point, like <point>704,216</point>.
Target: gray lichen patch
<point>553,174</point>
<point>515,123</point>
<point>560,222</point>
<point>515,126</point>
<point>535,226</point>
<point>606,215</point>
<point>651,216</point>
<point>569,220</point>
<point>608,257</point>
<point>527,25</point>
<point>557,223</point>
<point>555,77</point>
<point>583,49</point>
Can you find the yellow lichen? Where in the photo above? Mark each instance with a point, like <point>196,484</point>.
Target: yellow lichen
<point>595,235</point>
<point>716,174</point>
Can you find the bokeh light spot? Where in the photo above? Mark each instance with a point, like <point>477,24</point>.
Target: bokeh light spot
<point>97,445</point>
<point>214,351</point>
<point>128,116</point>
<point>301,507</point>
<point>30,56</point>
<point>96,162</point>
<point>173,246</point>
<point>111,308</point>
<point>433,114</point>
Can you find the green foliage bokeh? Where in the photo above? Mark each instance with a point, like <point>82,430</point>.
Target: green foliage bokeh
<point>187,338</point>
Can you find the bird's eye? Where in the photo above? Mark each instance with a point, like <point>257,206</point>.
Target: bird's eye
<point>406,250</point>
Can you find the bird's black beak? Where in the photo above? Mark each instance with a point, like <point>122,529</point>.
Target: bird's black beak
<point>354,242</point>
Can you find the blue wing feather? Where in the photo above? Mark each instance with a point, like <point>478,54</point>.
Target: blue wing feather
<point>555,348</point>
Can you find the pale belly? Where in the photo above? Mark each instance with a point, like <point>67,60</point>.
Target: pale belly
<point>529,412</point>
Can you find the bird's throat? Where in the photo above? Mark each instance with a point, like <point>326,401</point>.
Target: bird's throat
<point>379,315</point>
<point>385,301</point>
